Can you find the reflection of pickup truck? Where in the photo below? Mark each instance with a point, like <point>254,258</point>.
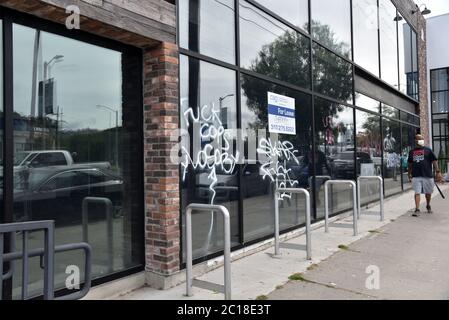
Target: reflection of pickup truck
<point>49,158</point>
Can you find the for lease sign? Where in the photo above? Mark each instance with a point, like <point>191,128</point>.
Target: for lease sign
<point>281,114</point>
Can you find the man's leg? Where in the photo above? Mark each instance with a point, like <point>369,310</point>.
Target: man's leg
<point>429,199</point>
<point>417,201</point>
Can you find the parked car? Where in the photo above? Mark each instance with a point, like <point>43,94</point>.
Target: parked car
<point>49,158</point>
<point>342,164</point>
<point>57,193</point>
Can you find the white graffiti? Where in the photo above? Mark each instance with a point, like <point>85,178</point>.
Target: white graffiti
<point>273,168</point>
<point>215,155</point>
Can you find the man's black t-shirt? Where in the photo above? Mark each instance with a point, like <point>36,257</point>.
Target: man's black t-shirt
<point>421,160</point>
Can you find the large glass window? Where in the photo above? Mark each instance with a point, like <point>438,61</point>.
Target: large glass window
<point>392,156</point>
<point>271,156</point>
<point>439,81</point>
<point>294,11</point>
<point>75,134</point>
<point>331,24</point>
<point>207,27</point>
<point>413,78</point>
<point>408,144</point>
<point>332,75</point>
<point>365,102</point>
<point>366,51</point>
<point>335,157</point>
<point>271,48</point>
<point>408,59</point>
<point>405,52</point>
<point>388,42</point>
<point>369,153</point>
<point>209,168</point>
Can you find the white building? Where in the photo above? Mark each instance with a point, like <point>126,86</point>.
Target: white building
<point>438,78</point>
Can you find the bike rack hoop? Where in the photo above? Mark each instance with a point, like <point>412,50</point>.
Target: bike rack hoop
<point>191,282</point>
<point>381,194</point>
<point>354,202</point>
<point>277,244</point>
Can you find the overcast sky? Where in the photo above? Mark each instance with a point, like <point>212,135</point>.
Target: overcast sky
<point>438,7</point>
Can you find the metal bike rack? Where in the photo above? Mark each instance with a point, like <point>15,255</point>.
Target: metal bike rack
<point>110,225</point>
<point>47,253</point>
<point>191,282</point>
<point>354,200</point>
<point>277,244</point>
<point>381,195</point>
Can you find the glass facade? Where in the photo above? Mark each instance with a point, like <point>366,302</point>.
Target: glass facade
<point>233,153</point>
<point>331,25</point>
<point>76,138</point>
<point>439,84</point>
<point>366,38</point>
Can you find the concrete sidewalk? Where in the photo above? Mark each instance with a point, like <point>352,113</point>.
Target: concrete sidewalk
<point>411,254</point>
<point>407,244</point>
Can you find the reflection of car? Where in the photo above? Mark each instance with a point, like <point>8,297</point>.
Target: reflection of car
<point>342,164</point>
<point>57,193</point>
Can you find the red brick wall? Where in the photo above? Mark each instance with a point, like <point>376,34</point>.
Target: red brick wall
<point>161,117</point>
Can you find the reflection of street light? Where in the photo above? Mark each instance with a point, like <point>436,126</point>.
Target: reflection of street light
<point>220,100</point>
<point>48,65</point>
<point>116,129</point>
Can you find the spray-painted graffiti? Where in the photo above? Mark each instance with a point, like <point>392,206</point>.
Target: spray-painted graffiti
<point>273,168</point>
<point>214,155</point>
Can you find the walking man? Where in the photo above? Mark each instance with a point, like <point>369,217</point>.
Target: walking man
<point>420,162</point>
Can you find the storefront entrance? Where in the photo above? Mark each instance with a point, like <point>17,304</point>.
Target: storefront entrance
<point>71,131</point>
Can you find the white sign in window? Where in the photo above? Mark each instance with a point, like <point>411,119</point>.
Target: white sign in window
<point>281,114</point>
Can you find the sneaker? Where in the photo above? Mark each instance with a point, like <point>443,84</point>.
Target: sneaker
<point>429,210</point>
<point>416,213</point>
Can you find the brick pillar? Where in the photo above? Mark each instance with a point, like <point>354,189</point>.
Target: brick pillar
<point>423,109</point>
<point>162,225</point>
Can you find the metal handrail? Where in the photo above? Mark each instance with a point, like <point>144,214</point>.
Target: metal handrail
<point>47,253</point>
<point>110,225</point>
<point>381,194</point>
<point>277,244</point>
<point>354,200</point>
<point>49,250</point>
<point>191,282</point>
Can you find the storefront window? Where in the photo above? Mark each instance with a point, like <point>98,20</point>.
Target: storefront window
<point>408,59</point>
<point>331,24</point>
<point>332,75</point>
<point>294,11</point>
<point>271,156</point>
<point>390,112</point>
<point>369,153</point>
<point>208,27</point>
<point>271,48</point>
<point>392,156</point>
<point>209,159</point>
<point>365,102</point>
<point>74,132</point>
<point>388,43</point>
<point>408,144</point>
<point>366,39</point>
<point>335,158</point>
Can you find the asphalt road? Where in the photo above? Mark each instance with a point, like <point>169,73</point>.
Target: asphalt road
<point>407,259</point>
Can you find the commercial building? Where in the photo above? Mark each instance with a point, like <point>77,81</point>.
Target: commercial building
<point>438,68</point>
<point>154,105</point>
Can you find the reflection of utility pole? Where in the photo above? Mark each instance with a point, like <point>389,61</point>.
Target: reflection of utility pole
<point>116,130</point>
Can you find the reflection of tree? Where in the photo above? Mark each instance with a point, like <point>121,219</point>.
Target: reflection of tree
<point>287,58</point>
<point>324,34</point>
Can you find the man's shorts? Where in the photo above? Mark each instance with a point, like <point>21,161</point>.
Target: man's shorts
<point>423,185</point>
